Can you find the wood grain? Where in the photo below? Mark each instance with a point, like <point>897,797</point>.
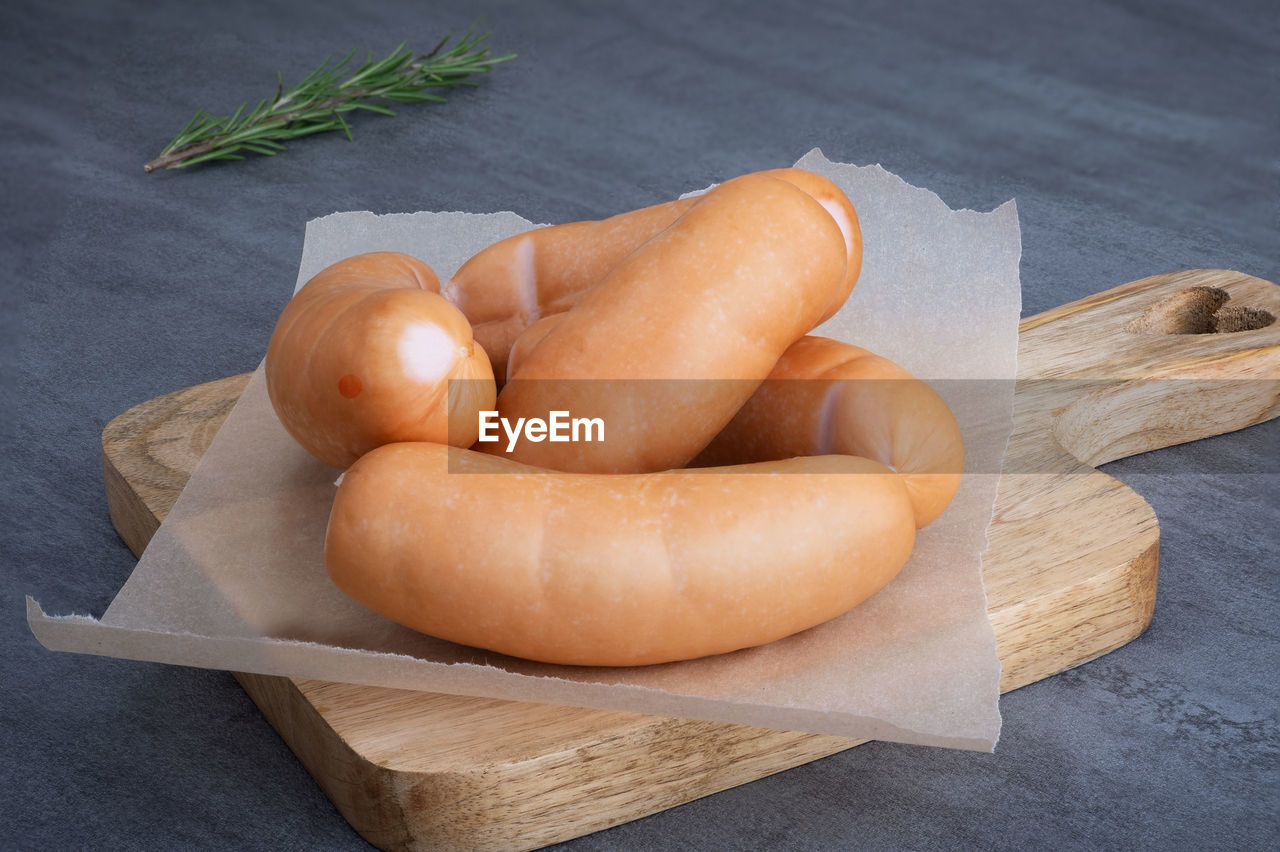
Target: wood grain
<point>1070,575</point>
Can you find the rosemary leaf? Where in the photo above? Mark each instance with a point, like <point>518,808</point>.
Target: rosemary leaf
<point>378,108</point>
<point>411,97</point>
<point>261,149</point>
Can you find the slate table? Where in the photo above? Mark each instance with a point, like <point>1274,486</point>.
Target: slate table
<point>1137,138</point>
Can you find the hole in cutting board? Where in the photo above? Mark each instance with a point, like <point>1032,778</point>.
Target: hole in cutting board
<point>1199,310</point>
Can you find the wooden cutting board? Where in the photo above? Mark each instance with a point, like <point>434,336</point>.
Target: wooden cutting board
<point>1070,574</point>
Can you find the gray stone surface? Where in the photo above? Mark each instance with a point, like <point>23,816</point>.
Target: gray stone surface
<point>1137,138</point>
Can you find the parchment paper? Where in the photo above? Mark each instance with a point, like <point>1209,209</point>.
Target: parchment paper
<point>234,579</point>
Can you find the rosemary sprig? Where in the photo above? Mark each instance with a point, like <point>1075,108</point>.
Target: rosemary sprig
<point>319,102</point>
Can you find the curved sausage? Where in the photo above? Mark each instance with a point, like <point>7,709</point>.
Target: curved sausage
<point>363,356</point>
<point>605,570</point>
<point>682,330</point>
<point>514,282</point>
<point>825,396</point>
<point>517,281</point>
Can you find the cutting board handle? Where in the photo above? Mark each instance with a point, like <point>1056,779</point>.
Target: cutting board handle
<point>1157,362</point>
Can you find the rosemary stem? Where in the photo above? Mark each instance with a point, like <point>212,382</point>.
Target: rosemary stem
<point>318,103</point>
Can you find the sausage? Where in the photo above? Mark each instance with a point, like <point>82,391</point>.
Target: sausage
<point>600,570</point>
<point>825,396</point>
<point>683,329</point>
<point>517,281</point>
<point>514,282</point>
<point>363,356</point>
